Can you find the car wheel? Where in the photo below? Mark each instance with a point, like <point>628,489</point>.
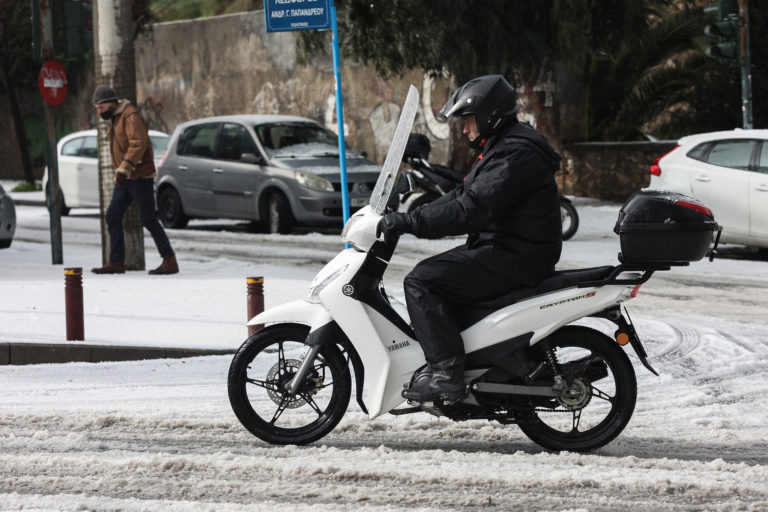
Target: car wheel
<point>170,209</point>
<point>279,217</point>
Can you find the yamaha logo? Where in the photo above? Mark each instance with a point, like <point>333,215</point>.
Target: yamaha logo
<point>348,290</point>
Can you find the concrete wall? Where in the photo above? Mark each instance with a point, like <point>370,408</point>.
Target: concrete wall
<point>230,65</point>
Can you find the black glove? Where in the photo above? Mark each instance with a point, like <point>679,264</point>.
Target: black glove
<point>120,179</point>
<point>393,225</point>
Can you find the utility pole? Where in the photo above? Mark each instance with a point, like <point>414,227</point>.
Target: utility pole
<point>52,82</point>
<point>115,66</point>
<point>744,62</point>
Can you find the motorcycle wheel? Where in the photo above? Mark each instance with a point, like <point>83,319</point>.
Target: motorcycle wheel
<point>570,218</point>
<point>599,400</point>
<point>262,367</point>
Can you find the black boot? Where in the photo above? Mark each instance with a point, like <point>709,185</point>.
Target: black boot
<point>444,380</point>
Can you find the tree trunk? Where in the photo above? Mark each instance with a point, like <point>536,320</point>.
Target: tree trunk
<point>114,65</point>
<point>18,124</point>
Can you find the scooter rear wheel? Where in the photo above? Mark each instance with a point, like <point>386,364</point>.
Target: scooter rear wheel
<point>257,380</point>
<point>599,399</point>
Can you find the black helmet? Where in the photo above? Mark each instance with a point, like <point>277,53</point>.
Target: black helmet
<point>490,98</point>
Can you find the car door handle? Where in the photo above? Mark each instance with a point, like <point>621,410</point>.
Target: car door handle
<point>703,177</point>
<point>182,167</point>
<point>762,188</point>
<point>218,170</point>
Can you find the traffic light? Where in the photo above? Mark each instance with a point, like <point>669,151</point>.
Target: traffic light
<point>727,31</point>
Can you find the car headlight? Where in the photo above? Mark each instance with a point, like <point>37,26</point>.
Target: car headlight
<point>314,292</point>
<point>313,181</point>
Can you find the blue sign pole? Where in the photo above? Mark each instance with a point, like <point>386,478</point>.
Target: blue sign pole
<point>340,115</point>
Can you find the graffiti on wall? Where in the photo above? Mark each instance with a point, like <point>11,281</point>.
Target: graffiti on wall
<point>152,110</point>
<point>536,99</point>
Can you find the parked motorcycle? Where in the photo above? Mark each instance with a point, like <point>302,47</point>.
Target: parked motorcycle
<point>423,182</point>
<point>567,387</point>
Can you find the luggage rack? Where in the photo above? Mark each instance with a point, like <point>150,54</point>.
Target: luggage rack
<point>647,268</point>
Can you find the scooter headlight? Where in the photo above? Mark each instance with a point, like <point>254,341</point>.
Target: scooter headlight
<point>348,227</point>
<point>314,291</point>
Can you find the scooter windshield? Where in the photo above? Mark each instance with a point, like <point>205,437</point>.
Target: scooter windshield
<point>390,171</point>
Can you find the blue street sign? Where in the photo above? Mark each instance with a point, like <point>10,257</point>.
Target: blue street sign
<point>283,15</point>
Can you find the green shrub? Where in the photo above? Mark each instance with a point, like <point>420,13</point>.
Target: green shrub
<point>26,186</point>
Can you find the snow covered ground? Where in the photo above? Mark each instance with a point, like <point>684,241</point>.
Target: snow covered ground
<point>160,435</point>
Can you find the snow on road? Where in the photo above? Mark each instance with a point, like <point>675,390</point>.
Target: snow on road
<point>160,435</point>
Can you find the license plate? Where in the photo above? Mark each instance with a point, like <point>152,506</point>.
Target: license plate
<point>358,201</point>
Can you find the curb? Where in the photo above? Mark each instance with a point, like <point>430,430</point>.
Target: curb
<point>27,202</point>
<point>47,353</point>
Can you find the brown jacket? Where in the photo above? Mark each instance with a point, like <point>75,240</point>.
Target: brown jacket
<point>129,142</point>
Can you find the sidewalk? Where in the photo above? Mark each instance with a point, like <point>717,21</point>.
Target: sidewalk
<point>199,311</point>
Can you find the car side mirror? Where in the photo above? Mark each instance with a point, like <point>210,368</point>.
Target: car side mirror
<point>251,158</point>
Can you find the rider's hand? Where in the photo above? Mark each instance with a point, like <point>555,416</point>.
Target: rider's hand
<point>392,225</point>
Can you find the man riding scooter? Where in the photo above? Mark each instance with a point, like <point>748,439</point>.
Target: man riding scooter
<point>508,206</point>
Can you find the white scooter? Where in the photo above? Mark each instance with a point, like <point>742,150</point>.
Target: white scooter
<point>567,387</point>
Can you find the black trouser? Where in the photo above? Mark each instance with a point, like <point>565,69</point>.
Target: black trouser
<point>141,191</point>
<point>456,279</point>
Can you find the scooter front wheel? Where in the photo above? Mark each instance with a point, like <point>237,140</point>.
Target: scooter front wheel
<point>258,383</point>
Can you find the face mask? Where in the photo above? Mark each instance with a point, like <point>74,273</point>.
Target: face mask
<point>107,114</point>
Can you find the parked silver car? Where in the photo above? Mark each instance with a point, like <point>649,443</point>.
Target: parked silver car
<point>278,171</point>
<point>7,219</point>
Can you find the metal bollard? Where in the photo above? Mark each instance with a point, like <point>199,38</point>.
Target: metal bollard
<point>255,287</point>
<point>73,302</point>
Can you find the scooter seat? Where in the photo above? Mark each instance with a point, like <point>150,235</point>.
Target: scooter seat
<point>560,280</point>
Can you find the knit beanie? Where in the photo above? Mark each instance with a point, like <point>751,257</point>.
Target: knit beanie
<point>104,94</point>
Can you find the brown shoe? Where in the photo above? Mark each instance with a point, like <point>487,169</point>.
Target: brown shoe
<point>113,267</point>
<point>168,266</point>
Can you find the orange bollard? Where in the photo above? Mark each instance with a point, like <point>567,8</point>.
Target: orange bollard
<point>255,287</point>
<point>73,303</point>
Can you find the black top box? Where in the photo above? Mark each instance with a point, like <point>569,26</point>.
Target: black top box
<point>664,227</point>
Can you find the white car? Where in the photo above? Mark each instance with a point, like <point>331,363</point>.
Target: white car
<point>727,171</point>
<point>7,219</point>
<point>77,155</point>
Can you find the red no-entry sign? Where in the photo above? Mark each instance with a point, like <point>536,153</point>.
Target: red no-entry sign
<point>52,82</point>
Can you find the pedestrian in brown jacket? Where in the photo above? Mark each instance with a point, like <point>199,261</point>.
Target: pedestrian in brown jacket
<point>134,171</point>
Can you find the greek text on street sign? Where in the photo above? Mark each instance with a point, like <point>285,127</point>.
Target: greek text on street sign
<point>284,15</point>
<point>52,82</point>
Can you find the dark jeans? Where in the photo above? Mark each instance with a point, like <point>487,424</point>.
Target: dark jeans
<point>141,191</point>
<point>458,278</point>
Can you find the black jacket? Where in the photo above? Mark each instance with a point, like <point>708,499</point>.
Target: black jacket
<point>509,199</point>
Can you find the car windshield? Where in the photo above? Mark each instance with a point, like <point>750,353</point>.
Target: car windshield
<point>159,144</point>
<point>291,140</point>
